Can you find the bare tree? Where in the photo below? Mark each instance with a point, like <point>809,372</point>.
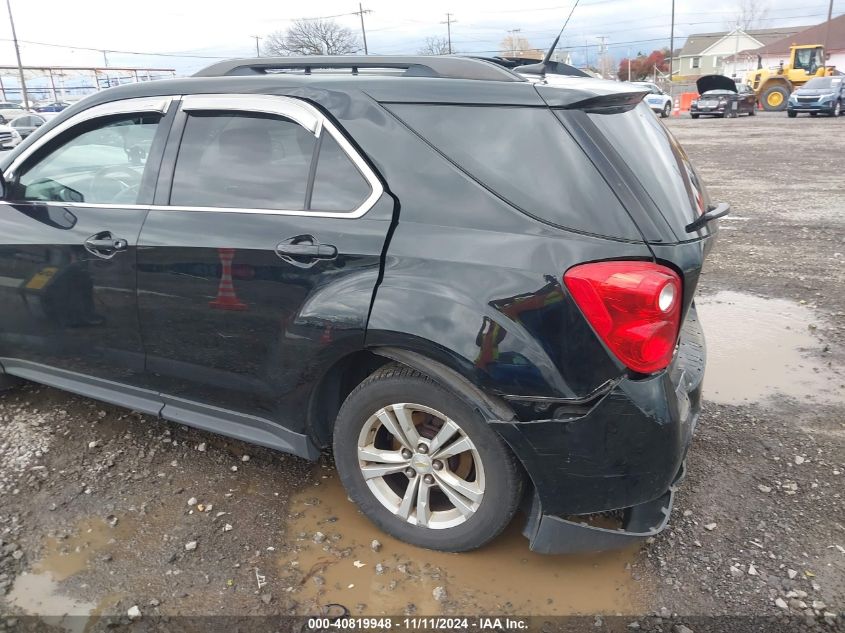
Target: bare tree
<point>517,46</point>
<point>312,37</point>
<point>434,46</point>
<point>751,14</point>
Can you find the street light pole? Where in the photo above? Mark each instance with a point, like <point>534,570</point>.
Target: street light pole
<point>18,55</point>
<point>257,39</point>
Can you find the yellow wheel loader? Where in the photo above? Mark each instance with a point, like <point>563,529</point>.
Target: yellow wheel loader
<point>773,87</point>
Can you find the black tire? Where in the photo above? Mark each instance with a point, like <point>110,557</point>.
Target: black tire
<point>7,383</point>
<point>752,111</point>
<point>504,479</point>
<point>667,110</point>
<point>791,114</point>
<point>693,116</point>
<point>814,113</point>
<point>837,109</point>
<point>764,99</point>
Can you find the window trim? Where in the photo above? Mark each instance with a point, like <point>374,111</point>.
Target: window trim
<point>280,105</point>
<point>125,106</point>
<point>303,114</point>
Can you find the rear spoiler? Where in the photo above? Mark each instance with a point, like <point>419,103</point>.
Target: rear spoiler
<point>592,95</point>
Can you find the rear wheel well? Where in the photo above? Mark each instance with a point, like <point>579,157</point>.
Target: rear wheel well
<point>350,371</point>
<point>336,385</point>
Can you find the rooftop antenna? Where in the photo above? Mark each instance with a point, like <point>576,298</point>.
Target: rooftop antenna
<point>540,69</point>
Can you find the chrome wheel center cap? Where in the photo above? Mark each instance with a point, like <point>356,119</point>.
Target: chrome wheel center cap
<point>421,463</point>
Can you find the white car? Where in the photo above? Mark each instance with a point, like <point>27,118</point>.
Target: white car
<point>9,110</point>
<point>656,99</point>
<point>9,137</point>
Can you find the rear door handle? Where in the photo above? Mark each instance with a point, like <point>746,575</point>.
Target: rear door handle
<point>315,251</point>
<point>105,245</point>
<point>304,251</point>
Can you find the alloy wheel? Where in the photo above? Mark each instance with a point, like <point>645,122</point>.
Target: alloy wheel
<point>421,465</point>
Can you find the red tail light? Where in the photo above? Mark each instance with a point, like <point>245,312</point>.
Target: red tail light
<point>635,308</point>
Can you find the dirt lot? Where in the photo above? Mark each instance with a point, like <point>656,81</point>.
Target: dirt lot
<point>103,510</point>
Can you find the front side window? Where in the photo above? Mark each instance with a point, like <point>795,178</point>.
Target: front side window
<point>101,162</point>
<point>262,161</point>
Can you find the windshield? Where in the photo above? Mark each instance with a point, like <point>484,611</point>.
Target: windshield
<point>821,83</point>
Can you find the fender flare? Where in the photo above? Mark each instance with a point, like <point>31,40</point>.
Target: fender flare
<point>491,407</point>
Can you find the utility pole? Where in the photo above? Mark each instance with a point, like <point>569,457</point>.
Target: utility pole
<point>18,55</point>
<point>602,55</point>
<point>513,36</point>
<point>826,31</point>
<point>106,59</point>
<point>257,39</point>
<point>672,45</point>
<point>629,64</point>
<point>361,11</point>
<point>448,23</point>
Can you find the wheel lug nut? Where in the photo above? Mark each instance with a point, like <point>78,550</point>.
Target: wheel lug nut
<point>410,473</point>
<point>406,453</point>
<point>428,479</point>
<point>422,448</point>
<point>437,465</point>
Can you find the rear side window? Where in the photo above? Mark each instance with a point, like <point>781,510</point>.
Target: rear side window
<point>257,161</point>
<point>250,161</point>
<point>658,162</point>
<point>338,185</point>
<point>525,156</point>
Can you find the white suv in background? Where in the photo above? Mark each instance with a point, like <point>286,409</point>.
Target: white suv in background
<point>657,100</point>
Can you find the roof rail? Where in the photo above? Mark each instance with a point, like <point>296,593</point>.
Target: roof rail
<point>451,67</point>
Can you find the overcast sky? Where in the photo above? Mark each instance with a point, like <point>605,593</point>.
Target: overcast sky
<point>194,32</point>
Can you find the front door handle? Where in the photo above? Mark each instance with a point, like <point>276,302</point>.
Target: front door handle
<point>304,251</point>
<point>105,245</point>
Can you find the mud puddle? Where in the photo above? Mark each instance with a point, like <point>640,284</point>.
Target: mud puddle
<point>757,348</point>
<point>504,577</point>
<point>39,592</point>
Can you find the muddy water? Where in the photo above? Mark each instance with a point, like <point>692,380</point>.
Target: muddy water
<point>757,348</point>
<point>40,592</point>
<point>504,577</point>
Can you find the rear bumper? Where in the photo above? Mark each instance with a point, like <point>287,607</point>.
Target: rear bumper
<point>549,534</point>
<point>626,453</point>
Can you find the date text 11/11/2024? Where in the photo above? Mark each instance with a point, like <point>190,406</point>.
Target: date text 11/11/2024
<point>417,624</point>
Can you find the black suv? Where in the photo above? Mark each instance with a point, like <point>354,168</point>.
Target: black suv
<point>475,285</point>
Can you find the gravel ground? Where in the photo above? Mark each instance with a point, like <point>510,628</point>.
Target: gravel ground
<point>105,511</point>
